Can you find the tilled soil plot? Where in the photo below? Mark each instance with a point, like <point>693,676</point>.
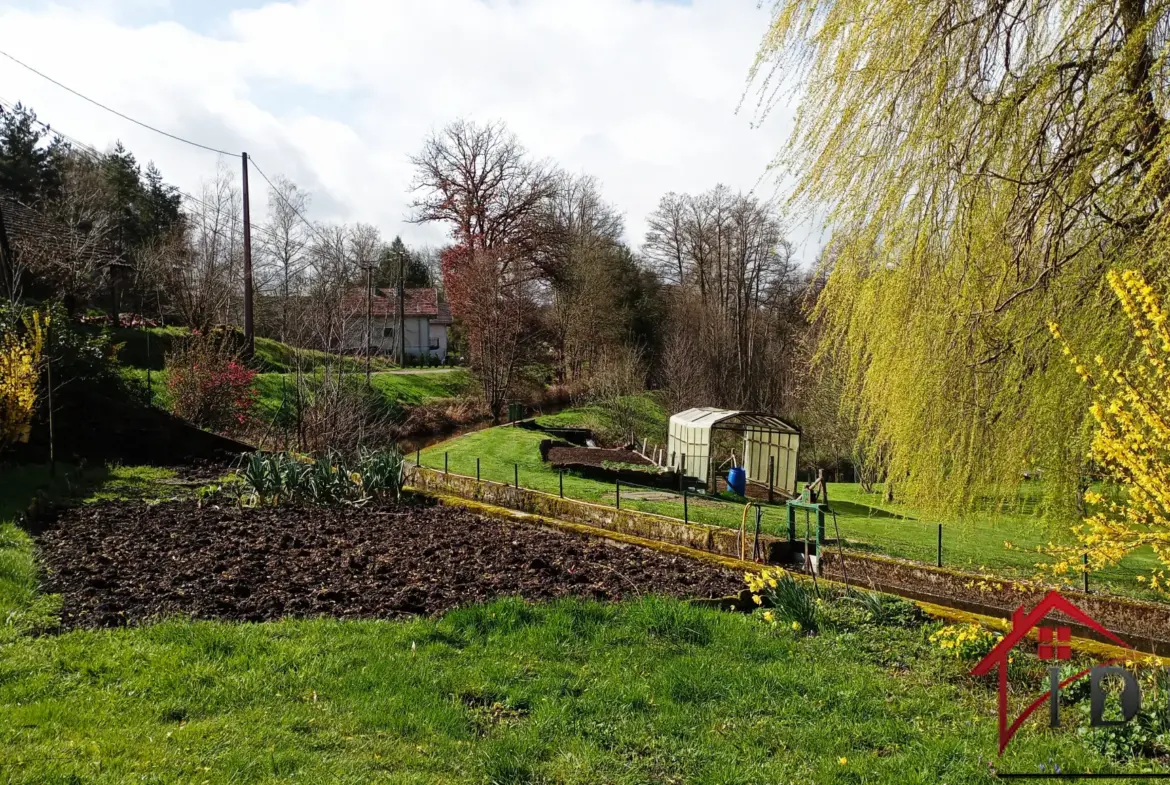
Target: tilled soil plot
<point>593,456</point>
<point>119,563</point>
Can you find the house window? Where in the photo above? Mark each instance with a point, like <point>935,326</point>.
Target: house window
<point>387,332</point>
<point>434,343</point>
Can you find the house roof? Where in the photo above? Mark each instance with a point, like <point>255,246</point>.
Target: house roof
<point>444,318</point>
<point>32,231</point>
<point>384,302</point>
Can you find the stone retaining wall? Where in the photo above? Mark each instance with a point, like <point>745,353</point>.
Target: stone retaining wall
<point>1145,625</point>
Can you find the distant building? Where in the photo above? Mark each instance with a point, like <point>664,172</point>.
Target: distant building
<point>426,320</point>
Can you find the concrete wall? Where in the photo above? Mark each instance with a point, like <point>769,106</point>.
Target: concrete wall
<point>1145,625</point>
<point>713,539</point>
<point>418,335</point>
<point>438,347</point>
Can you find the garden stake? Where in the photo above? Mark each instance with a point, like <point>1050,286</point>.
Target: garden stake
<point>516,475</point>
<point>938,561</point>
<point>617,484</point>
<point>561,478</point>
<point>477,469</point>
<point>1085,570</point>
<point>418,457</point>
<point>686,514</point>
<point>444,463</point>
<point>771,477</point>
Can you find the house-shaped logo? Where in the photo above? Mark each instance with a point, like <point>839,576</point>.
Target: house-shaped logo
<point>1054,645</point>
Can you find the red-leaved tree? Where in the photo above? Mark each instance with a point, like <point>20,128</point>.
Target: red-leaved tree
<point>488,293</point>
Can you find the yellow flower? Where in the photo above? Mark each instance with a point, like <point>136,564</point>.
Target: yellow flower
<point>769,616</point>
<point>842,760</point>
<point>796,626</point>
<point>757,599</point>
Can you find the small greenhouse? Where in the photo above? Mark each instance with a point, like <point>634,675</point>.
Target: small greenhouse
<point>768,442</point>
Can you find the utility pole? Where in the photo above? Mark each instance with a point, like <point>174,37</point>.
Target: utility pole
<point>401,310</point>
<point>369,295</point>
<point>249,328</point>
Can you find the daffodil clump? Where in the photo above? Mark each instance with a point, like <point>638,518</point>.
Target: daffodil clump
<point>965,641</point>
<point>1131,408</point>
<point>20,361</point>
<point>787,602</point>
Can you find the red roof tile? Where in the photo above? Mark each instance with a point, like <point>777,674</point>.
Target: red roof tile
<point>418,302</point>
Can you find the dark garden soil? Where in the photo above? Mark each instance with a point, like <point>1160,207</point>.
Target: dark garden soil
<point>590,456</point>
<point>119,563</point>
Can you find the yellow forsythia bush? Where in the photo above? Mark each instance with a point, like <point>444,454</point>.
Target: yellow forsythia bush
<point>20,359</point>
<point>1131,407</point>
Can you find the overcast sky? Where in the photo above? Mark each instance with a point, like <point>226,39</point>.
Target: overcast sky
<point>336,94</point>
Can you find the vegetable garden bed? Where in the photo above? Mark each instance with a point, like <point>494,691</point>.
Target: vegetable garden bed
<point>121,563</point>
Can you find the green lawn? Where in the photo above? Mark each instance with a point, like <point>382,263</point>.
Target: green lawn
<point>649,691</point>
<point>976,542</point>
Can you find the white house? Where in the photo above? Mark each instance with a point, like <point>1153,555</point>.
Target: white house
<point>426,322</point>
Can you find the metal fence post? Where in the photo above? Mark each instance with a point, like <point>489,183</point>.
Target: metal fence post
<point>561,479</point>
<point>771,478</point>
<point>617,484</point>
<point>477,469</point>
<point>445,463</point>
<point>418,457</point>
<point>516,475</point>
<point>686,513</point>
<point>938,560</point>
<point>1085,570</point>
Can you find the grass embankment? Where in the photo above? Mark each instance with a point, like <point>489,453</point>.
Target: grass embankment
<point>397,390</point>
<point>144,348</point>
<point>143,353</point>
<point>974,542</point>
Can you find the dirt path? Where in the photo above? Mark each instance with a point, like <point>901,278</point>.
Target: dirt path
<point>121,563</point>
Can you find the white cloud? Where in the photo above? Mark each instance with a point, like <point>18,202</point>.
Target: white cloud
<point>338,93</point>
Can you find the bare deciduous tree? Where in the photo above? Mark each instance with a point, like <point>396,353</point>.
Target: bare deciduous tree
<point>480,180</point>
<point>284,242</point>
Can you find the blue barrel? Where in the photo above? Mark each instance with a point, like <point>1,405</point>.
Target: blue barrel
<point>737,480</point>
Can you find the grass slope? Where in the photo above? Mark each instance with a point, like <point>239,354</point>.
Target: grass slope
<point>642,415</point>
<point>976,542</point>
<point>144,348</point>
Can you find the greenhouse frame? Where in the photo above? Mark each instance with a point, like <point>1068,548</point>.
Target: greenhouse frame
<point>764,436</point>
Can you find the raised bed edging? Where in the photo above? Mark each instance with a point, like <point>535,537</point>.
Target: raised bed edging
<point>712,539</point>
<point>1144,625</point>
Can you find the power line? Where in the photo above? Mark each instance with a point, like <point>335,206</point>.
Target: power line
<point>114,111</point>
<point>97,157</point>
<point>290,205</point>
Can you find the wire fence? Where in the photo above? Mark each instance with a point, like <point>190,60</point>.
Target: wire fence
<point>967,545</point>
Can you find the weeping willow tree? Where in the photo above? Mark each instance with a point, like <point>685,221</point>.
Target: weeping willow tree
<point>983,164</point>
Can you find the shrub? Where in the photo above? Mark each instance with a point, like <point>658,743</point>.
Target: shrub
<point>20,360</point>
<point>208,383</point>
